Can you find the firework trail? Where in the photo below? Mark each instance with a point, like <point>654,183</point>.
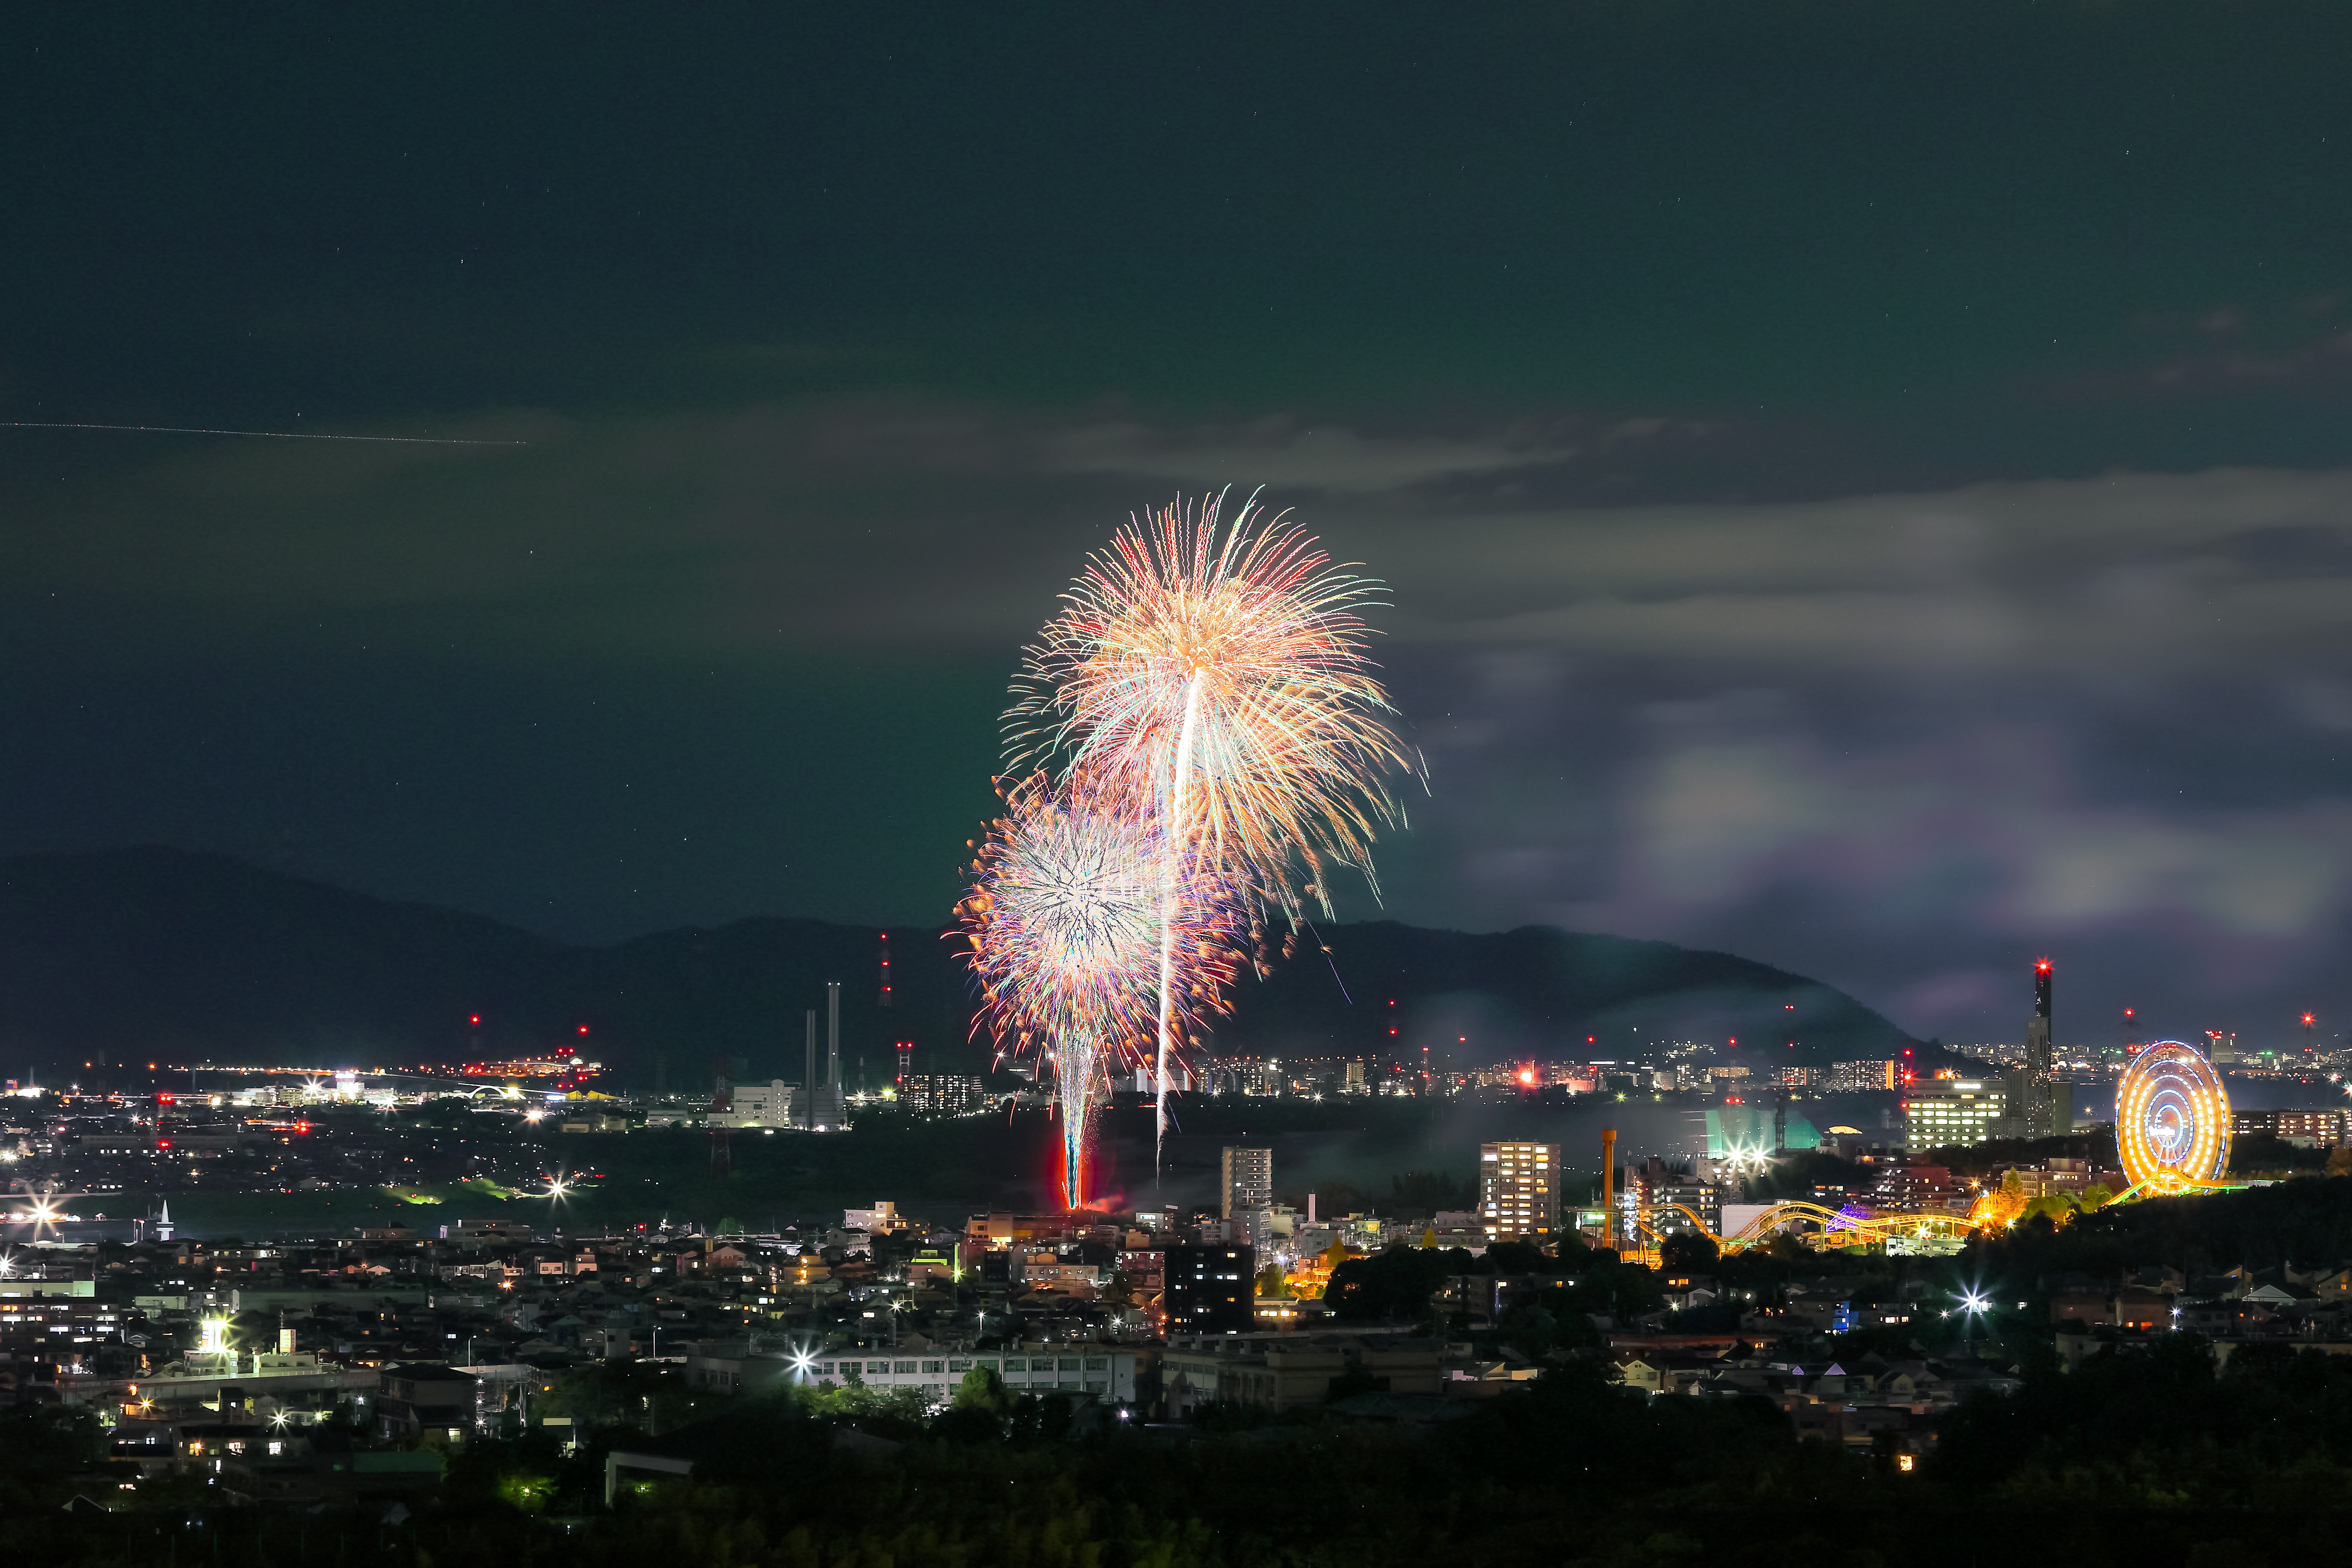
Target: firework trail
<point>1067,921</point>
<point>1219,671</point>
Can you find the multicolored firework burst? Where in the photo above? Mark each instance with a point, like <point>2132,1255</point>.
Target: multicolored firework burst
<point>1218,671</point>
<point>1066,917</point>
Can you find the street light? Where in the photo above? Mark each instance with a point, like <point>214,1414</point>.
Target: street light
<point>1974,1304</point>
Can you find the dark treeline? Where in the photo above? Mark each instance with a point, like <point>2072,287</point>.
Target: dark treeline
<point>2147,1455</point>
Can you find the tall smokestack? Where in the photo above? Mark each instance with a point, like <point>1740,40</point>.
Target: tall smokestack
<point>1608,1187</point>
<point>808,1076</point>
<point>832,1033</point>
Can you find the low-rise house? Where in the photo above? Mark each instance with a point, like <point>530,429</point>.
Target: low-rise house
<point>438,1403</point>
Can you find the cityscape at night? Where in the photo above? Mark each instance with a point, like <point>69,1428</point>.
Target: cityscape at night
<point>1542,783</point>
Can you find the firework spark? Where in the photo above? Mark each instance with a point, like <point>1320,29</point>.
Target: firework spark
<point>1220,672</point>
<point>1065,918</point>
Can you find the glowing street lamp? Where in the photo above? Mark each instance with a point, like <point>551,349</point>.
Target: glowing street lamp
<point>1974,1304</point>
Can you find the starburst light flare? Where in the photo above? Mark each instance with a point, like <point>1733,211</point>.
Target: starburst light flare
<point>1065,920</point>
<point>1219,670</point>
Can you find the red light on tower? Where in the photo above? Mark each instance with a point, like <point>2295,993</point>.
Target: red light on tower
<point>886,968</point>
<point>583,1028</point>
<point>475,1019</point>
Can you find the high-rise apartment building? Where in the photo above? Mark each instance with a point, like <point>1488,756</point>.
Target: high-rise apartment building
<point>1518,1191</point>
<point>1249,1181</point>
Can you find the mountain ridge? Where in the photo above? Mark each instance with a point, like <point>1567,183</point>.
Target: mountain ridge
<point>153,953</point>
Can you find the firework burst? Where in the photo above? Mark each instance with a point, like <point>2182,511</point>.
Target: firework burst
<point>1219,671</point>
<point>1064,917</point>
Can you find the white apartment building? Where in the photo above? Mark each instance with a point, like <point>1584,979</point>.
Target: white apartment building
<point>1249,1181</point>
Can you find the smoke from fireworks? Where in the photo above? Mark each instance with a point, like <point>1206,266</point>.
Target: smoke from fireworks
<point>1219,672</point>
<point>1065,920</point>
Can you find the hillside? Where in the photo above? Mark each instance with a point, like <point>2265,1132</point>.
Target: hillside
<point>158,954</point>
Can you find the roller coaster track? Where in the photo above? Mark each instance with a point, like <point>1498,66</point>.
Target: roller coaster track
<point>1837,1228</point>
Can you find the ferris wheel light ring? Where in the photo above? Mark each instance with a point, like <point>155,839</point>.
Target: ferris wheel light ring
<point>2172,1120</point>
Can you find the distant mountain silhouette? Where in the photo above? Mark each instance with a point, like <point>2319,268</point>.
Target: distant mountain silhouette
<point>156,954</point>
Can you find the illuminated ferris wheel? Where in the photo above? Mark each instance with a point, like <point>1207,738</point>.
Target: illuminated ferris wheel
<point>2172,1120</point>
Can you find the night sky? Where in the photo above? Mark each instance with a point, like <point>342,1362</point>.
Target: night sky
<point>1868,487</point>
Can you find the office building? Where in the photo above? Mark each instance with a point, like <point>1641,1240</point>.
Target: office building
<point>766,1104</point>
<point>1951,1111</point>
<point>1209,1290</point>
<point>1518,1191</point>
<point>1249,1181</point>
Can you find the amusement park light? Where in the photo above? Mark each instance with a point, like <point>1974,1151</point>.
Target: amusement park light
<point>2172,1120</point>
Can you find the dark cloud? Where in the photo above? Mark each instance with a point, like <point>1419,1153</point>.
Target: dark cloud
<point>1895,740</point>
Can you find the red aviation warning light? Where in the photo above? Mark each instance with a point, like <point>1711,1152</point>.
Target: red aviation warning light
<point>886,968</point>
